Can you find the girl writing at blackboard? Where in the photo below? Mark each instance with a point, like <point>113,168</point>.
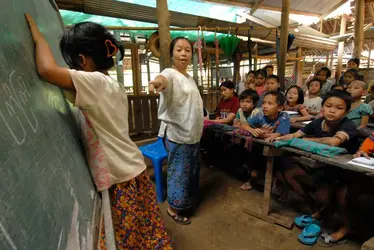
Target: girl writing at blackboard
<point>115,162</point>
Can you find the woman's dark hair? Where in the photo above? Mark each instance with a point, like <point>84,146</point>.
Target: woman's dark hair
<point>174,41</point>
<point>273,77</point>
<point>279,97</point>
<point>325,69</point>
<point>90,39</point>
<point>355,60</point>
<point>315,80</point>
<point>354,72</point>
<point>341,94</point>
<point>251,94</point>
<point>261,72</point>
<point>300,93</point>
<point>228,84</point>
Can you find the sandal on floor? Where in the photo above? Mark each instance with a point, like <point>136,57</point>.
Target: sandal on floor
<point>325,240</point>
<point>246,186</point>
<point>179,219</point>
<point>309,235</point>
<point>305,220</point>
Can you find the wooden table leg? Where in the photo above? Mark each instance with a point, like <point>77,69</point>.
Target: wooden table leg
<point>264,213</point>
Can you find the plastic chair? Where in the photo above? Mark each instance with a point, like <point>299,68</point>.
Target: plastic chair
<point>157,154</point>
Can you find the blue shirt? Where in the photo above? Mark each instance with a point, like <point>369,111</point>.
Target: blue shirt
<point>281,124</point>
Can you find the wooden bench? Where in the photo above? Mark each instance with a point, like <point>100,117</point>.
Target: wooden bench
<point>143,118</point>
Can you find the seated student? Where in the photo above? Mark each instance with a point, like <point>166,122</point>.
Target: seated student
<point>229,104</point>
<point>261,75</point>
<point>269,69</point>
<point>353,63</point>
<point>294,102</point>
<point>248,101</point>
<point>370,96</point>
<point>349,76</point>
<point>271,122</point>
<point>333,129</point>
<point>324,74</point>
<point>250,81</point>
<point>271,84</point>
<point>313,103</point>
<point>359,112</point>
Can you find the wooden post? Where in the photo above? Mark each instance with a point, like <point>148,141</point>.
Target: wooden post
<point>370,48</point>
<point>163,17</point>
<point>331,62</point>
<point>135,64</point>
<point>327,59</point>
<point>299,68</point>
<point>119,64</point>
<point>359,25</point>
<point>195,63</point>
<point>148,71</point>
<point>283,42</point>
<point>343,26</point>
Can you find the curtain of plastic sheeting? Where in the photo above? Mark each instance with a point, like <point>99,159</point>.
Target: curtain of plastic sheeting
<point>229,44</point>
<point>290,40</point>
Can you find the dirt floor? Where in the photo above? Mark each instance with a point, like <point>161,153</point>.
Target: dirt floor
<point>219,223</point>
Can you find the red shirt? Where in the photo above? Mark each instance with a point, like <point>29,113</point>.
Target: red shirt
<point>225,107</point>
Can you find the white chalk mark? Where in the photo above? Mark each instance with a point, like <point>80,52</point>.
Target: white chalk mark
<point>19,142</point>
<point>73,235</point>
<point>59,240</point>
<point>7,236</point>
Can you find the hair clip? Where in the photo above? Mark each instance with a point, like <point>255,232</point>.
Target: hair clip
<point>109,45</point>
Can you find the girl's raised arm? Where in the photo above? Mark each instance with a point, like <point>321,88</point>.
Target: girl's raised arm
<point>45,62</point>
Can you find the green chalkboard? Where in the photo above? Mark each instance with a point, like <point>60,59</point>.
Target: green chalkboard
<point>47,197</point>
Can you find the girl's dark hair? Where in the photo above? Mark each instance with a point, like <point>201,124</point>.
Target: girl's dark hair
<point>341,94</point>
<point>268,66</point>
<point>228,84</point>
<point>279,97</point>
<point>315,80</point>
<point>251,94</point>
<point>274,77</point>
<point>354,72</point>
<point>174,41</point>
<point>89,39</point>
<point>251,72</point>
<point>300,93</point>
<point>355,60</point>
<point>333,87</point>
<point>261,72</point>
<point>327,70</point>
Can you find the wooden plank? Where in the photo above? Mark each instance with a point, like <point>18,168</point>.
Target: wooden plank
<point>163,18</point>
<point>154,115</point>
<point>332,9</point>
<point>145,113</point>
<point>283,42</point>
<point>268,180</point>
<point>138,115</point>
<point>256,6</point>
<point>358,31</point>
<point>131,117</point>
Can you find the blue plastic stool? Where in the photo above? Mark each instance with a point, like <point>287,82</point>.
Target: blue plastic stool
<point>157,153</point>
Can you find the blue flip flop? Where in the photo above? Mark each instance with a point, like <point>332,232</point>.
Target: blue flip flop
<point>305,220</point>
<point>309,235</point>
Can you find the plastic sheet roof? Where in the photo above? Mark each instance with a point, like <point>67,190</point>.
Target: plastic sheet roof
<point>72,17</point>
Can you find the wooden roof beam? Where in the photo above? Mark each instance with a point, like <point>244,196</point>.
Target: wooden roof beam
<point>338,5</point>
<point>257,20</point>
<point>256,6</point>
<point>264,7</point>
